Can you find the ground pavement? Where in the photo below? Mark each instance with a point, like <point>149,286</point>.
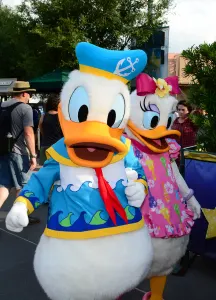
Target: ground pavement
<point>18,282</point>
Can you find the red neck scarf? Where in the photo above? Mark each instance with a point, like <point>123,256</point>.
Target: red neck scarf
<point>111,202</point>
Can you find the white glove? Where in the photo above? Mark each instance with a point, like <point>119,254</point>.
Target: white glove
<point>17,217</point>
<point>194,205</point>
<point>135,191</point>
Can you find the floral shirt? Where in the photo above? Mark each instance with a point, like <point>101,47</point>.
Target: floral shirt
<point>164,210</point>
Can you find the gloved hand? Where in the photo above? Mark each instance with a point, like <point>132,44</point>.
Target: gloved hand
<point>135,191</point>
<point>194,205</point>
<point>17,217</point>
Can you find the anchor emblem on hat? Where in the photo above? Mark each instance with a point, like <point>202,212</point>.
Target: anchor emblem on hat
<point>118,70</point>
<point>123,65</point>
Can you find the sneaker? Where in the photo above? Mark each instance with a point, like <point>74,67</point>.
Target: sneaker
<point>147,296</point>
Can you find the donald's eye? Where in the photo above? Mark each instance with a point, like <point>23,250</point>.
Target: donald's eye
<point>117,112</point>
<point>79,105</point>
<point>150,119</point>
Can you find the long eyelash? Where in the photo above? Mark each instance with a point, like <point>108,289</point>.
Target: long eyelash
<point>143,108</point>
<point>150,108</point>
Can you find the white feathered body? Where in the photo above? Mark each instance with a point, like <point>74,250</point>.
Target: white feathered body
<point>93,269</point>
<point>167,253</point>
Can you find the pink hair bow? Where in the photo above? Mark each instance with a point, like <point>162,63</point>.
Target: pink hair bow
<point>146,85</point>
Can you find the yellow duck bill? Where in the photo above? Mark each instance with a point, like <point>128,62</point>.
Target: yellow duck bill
<point>154,139</point>
<point>90,143</point>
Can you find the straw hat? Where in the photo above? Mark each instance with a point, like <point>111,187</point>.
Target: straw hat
<point>21,87</point>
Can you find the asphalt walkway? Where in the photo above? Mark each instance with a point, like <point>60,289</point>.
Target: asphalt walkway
<point>18,282</point>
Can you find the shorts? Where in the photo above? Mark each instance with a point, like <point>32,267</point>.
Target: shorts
<point>14,170</point>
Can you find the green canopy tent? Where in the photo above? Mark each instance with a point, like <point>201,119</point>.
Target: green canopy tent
<point>50,82</point>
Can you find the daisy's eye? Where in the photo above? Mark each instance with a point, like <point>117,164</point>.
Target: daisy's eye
<point>150,119</point>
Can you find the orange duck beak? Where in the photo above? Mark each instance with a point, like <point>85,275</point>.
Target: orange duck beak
<point>154,139</point>
<point>91,144</point>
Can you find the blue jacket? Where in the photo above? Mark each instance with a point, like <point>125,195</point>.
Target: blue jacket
<point>76,208</point>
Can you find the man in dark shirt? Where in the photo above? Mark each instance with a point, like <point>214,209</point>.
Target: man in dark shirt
<point>17,166</point>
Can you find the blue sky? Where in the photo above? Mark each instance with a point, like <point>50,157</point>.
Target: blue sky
<point>191,22</point>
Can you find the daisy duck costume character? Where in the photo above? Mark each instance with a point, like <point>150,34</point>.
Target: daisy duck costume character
<point>95,245</point>
<point>170,207</point>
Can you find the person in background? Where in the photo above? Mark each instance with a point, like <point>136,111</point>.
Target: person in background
<point>49,126</point>
<point>36,118</point>
<point>16,167</point>
<point>183,124</point>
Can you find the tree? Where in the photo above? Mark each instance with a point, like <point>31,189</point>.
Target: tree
<point>11,48</point>
<point>61,24</point>
<point>22,53</point>
<point>201,67</point>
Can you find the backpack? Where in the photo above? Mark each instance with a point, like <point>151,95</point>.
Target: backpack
<point>6,139</point>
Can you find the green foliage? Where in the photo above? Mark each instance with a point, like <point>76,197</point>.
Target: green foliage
<point>201,66</point>
<point>12,43</point>
<point>47,31</point>
<point>22,53</point>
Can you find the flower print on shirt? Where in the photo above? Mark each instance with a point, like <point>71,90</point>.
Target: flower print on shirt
<point>152,201</point>
<point>166,214</point>
<point>160,203</point>
<point>138,153</point>
<point>151,183</point>
<point>178,196</point>
<point>150,164</point>
<point>169,187</point>
<point>157,230</point>
<point>164,164</point>
<point>169,229</point>
<point>170,172</point>
<point>162,219</point>
<point>157,209</point>
<point>184,216</point>
<point>173,147</point>
<point>144,158</point>
<point>174,150</point>
<point>162,210</point>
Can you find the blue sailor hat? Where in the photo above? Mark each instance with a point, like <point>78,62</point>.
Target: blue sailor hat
<point>123,65</point>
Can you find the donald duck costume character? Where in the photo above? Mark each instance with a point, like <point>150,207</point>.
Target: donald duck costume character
<point>166,207</point>
<point>95,245</point>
